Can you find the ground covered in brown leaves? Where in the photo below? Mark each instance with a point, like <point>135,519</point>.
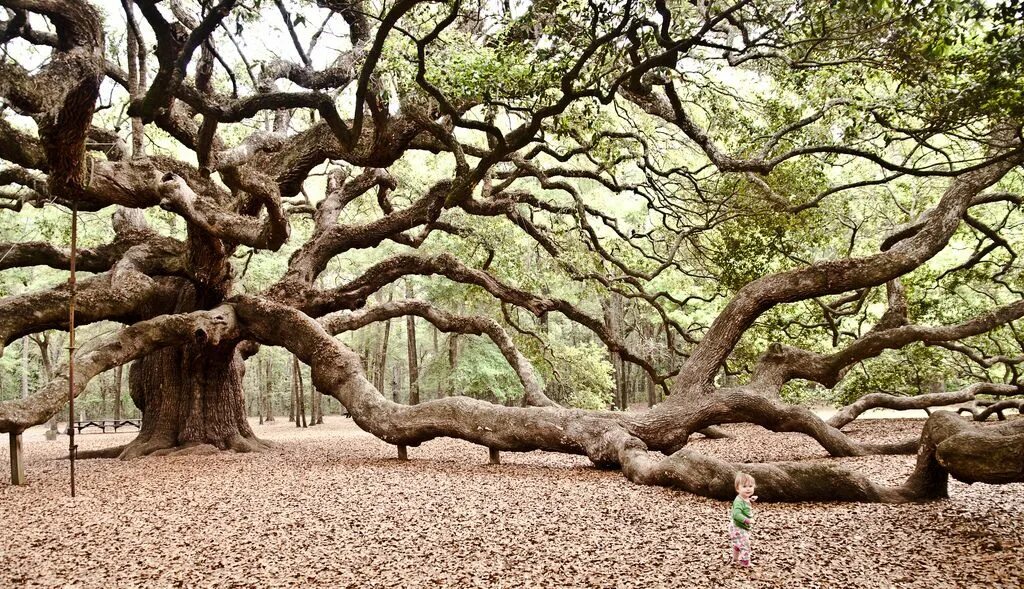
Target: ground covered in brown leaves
<point>333,508</point>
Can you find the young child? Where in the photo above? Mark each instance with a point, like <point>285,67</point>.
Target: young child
<point>742,517</point>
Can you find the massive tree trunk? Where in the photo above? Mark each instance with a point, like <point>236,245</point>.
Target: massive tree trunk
<point>192,401</point>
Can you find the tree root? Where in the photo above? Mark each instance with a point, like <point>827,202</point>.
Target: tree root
<point>714,433</point>
<point>163,447</point>
<point>114,452</point>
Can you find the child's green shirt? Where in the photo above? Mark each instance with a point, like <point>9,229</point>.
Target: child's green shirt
<point>742,513</point>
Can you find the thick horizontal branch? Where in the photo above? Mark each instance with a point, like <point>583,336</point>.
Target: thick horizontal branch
<point>117,349</point>
<point>783,363</point>
<point>41,253</point>
<point>125,293</point>
<point>609,442</point>
<point>888,401</point>
<point>743,405</point>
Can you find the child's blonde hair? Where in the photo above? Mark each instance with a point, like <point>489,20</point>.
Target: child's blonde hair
<point>743,478</point>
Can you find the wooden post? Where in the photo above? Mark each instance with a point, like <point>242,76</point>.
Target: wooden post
<point>493,456</point>
<point>403,453</point>
<point>17,466</point>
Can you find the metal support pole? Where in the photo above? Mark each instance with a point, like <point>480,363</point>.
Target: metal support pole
<point>17,466</point>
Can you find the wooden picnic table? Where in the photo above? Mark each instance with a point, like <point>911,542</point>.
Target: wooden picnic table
<point>103,424</point>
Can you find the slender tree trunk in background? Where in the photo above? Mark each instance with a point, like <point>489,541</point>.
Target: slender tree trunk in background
<point>314,401</point>
<point>382,357</point>
<point>636,383</point>
<point>24,367</point>
<point>627,383</point>
<point>395,379</point>
<point>453,360</point>
<point>613,321</point>
<point>317,401</point>
<point>258,378</point>
<point>294,390</point>
<point>369,360</point>
<point>268,383</point>
<point>104,389</point>
<point>47,359</point>
<point>252,389</point>
<point>414,370</point>
<point>292,402</point>
<point>620,382</point>
<point>118,379</point>
<point>652,393</point>
<point>439,390</point>
<point>299,393</point>
<point>302,399</point>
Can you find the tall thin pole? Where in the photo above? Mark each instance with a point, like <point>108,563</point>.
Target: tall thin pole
<point>72,448</point>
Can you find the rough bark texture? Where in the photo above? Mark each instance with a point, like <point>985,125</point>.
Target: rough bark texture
<point>191,402</point>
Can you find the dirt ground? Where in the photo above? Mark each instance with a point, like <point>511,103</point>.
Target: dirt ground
<point>331,507</point>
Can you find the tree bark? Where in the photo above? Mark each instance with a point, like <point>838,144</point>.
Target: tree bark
<point>192,401</point>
